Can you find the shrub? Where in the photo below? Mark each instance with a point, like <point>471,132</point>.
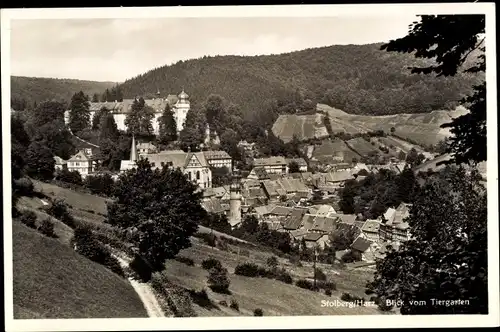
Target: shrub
<point>211,263</point>
<point>59,210</point>
<point>143,269</point>
<point>185,260</point>
<point>258,312</point>
<point>283,276</point>
<point>346,297</point>
<point>272,262</point>
<point>25,187</point>
<point>201,298</point>
<point>319,274</point>
<point>247,270</point>
<point>326,285</point>
<point>351,256</point>
<point>47,228</point>
<point>29,218</point>
<point>223,303</point>
<point>208,238</point>
<point>218,281</point>
<point>72,177</point>
<point>234,305</point>
<point>100,184</point>
<point>306,284</point>
<point>328,292</point>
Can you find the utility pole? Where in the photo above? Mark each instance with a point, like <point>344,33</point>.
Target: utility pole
<point>314,266</point>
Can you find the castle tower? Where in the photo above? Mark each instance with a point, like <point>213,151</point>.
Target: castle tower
<point>234,217</point>
<point>181,109</point>
<point>133,150</point>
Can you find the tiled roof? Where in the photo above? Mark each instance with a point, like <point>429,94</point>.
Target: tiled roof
<point>125,106</point>
<point>212,205</point>
<point>79,156</point>
<point>294,220</point>
<point>274,176</point>
<point>60,161</point>
<point>271,161</point>
<point>324,224</point>
<point>146,145</point>
<point>298,233</point>
<point>313,236</point>
<point>361,244</point>
<point>371,226</point>
<point>260,172</point>
<point>209,155</point>
<point>281,211</point>
<point>177,158</point>
<point>264,209</point>
<point>308,221</point>
<point>324,209</point>
<point>339,176</point>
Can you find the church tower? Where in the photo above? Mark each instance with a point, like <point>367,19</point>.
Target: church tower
<point>235,202</point>
<point>133,150</point>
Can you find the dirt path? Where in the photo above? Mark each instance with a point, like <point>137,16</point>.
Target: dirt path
<point>144,291</point>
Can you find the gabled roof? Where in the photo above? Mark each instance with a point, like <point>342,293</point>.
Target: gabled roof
<point>269,188</point>
<point>344,218</point>
<point>339,176</point>
<point>313,237</point>
<point>324,224</point>
<point>371,226</point>
<point>146,145</point>
<point>260,173</point>
<point>281,211</point>
<point>324,209</point>
<point>294,219</point>
<point>361,244</point>
<point>79,156</point>
<point>299,161</point>
<point>308,221</point>
<point>210,155</point>
<point>271,161</point>
<point>60,161</point>
<point>264,209</point>
<point>298,233</point>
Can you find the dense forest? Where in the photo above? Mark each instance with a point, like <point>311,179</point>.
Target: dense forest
<point>359,79</point>
<point>26,91</point>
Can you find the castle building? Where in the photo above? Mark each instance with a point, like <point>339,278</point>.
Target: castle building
<point>120,109</point>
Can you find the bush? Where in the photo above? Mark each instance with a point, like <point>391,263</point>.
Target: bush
<point>272,262</point>
<point>218,281</point>
<point>319,274</point>
<point>209,239</point>
<point>258,312</point>
<point>24,186</point>
<point>47,228</point>
<point>284,276</point>
<point>211,263</point>
<point>223,303</point>
<point>306,284</point>
<point>351,256</point>
<point>201,298</point>
<point>100,184</point>
<point>29,218</point>
<point>326,285</point>
<point>328,292</point>
<point>247,270</point>
<point>185,260</point>
<point>143,269</point>
<point>59,210</point>
<point>234,305</point>
<point>72,177</point>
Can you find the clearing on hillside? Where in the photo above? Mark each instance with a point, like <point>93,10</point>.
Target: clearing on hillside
<point>304,127</point>
<point>53,281</point>
<point>361,146</point>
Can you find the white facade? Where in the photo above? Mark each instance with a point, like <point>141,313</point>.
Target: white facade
<point>81,163</point>
<point>181,108</point>
<point>234,217</point>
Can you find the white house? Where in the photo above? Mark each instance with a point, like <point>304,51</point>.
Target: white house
<point>272,165</point>
<point>82,163</point>
<point>219,159</point>
<point>300,162</point>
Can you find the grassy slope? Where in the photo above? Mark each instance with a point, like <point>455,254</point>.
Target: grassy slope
<point>274,297</point>
<point>423,128</point>
<point>53,281</point>
<point>41,89</point>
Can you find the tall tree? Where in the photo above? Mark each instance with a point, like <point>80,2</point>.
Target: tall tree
<point>108,128</point>
<point>229,143</point>
<point>193,133</point>
<point>56,138</point>
<point>47,112</point>
<point>446,258</point>
<point>96,119</point>
<point>39,161</point>
<point>167,126</point>
<point>293,167</point>
<point>79,117</point>
<point>139,120</point>
<point>95,98</point>
<point>214,106</point>
<point>456,42</point>
<point>164,207</point>
<point>19,143</point>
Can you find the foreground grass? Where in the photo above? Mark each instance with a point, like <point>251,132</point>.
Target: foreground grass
<point>53,281</point>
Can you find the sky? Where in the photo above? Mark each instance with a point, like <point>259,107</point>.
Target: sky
<point>119,49</point>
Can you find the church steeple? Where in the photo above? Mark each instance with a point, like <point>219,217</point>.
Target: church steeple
<point>133,150</point>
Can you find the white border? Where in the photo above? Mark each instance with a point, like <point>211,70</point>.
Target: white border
<point>260,322</point>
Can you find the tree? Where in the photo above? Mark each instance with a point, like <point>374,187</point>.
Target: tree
<point>193,133</point>
<point>108,128</point>
<point>168,126</point>
<point>96,119</point>
<point>162,205</point>
<point>95,98</point>
<point>442,146</point>
<point>139,120</point>
<point>57,138</point>
<point>343,236</point>
<point>412,157</point>
<point>446,259</point>
<point>402,155</point>
<point>221,176</point>
<point>48,112</point>
<point>436,37</point>
<point>393,130</point>
<point>293,167</point>
<point>218,280</point>
<point>39,161</point>
<point>229,143</point>
<point>250,224</point>
<point>214,106</point>
<point>19,143</point>
<point>79,116</point>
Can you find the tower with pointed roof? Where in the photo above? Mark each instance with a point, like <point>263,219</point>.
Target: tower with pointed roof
<point>132,162</point>
<point>181,108</point>
<point>235,201</point>
<point>133,150</point>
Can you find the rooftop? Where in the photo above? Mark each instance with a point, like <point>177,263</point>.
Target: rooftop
<point>271,161</point>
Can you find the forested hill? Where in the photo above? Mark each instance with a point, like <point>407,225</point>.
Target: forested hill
<point>36,89</point>
<point>359,79</point>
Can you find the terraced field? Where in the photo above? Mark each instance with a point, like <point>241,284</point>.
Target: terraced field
<point>361,146</point>
<point>303,126</point>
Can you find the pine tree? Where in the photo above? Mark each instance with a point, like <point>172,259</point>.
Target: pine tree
<point>108,128</point>
<point>193,133</point>
<point>139,120</point>
<point>168,126</point>
<point>95,98</point>
<point>79,117</point>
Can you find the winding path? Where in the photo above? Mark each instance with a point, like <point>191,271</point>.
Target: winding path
<point>144,291</point>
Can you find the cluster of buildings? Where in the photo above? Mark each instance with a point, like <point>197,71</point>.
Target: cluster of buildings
<point>120,109</point>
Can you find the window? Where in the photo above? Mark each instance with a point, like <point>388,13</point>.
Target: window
<point>77,164</point>
<point>189,176</point>
<point>197,175</point>
<point>152,164</point>
<point>169,163</point>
